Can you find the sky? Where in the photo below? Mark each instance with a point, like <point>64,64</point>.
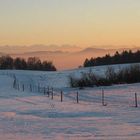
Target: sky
<point>75,22</point>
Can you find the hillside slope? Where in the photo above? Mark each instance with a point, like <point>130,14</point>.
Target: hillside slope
<point>34,116</point>
<point>59,79</point>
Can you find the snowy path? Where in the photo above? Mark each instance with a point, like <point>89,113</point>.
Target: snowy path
<point>25,115</point>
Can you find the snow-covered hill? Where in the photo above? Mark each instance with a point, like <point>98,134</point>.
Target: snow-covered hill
<point>59,79</point>
<point>30,115</point>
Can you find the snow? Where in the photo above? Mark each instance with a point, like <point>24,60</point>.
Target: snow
<point>34,116</point>
<point>59,79</point>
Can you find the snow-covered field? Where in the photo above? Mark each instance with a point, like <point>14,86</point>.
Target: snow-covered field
<point>34,116</point>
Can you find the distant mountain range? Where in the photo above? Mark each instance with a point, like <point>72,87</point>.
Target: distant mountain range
<point>64,57</point>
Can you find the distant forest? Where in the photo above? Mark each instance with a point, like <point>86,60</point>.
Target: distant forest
<point>117,58</point>
<point>32,63</point>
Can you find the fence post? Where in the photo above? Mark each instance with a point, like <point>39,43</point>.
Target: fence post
<point>77,97</point>
<point>136,102</point>
<point>38,87</point>
<point>61,96</point>
<point>103,98</point>
<point>30,88</point>
<point>18,86</point>
<point>44,90</point>
<point>23,87</point>
<point>48,92</point>
<point>52,93</point>
<point>14,83</point>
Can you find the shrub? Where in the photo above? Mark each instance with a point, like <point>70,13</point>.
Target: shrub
<point>128,75</point>
<point>86,80</point>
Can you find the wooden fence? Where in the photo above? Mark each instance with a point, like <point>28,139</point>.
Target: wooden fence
<point>50,92</point>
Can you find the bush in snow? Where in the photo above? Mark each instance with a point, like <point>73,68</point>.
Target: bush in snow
<point>126,75</point>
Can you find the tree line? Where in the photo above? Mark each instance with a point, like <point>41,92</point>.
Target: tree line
<point>117,58</point>
<point>32,63</point>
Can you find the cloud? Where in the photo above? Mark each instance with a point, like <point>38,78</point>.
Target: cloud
<point>39,47</point>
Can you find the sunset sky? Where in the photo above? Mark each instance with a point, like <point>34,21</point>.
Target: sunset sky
<point>75,22</point>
